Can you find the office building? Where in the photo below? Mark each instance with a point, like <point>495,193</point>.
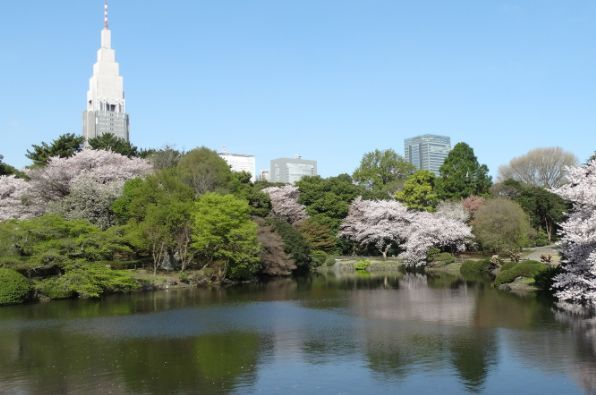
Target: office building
<point>427,152</point>
<point>290,170</point>
<point>240,162</point>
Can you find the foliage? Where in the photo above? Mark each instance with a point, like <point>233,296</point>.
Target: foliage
<point>473,203</point>
<point>65,146</point>
<point>528,269</point>
<point>362,265</point>
<point>472,270</point>
<point>285,205</point>
<point>319,235</point>
<point>205,171</point>
<point>462,176</point>
<point>8,170</point>
<point>330,261</point>
<point>545,279</point>
<point>274,259</point>
<point>14,288</point>
<point>501,225</point>
<point>328,199</point>
<point>165,158</point>
<point>541,167</point>
<point>444,258</point>
<point>419,192</point>
<point>87,280</point>
<point>243,188</point>
<point>113,143</point>
<point>318,257</point>
<point>383,171</point>
<point>546,209</point>
<point>577,282</point>
<point>296,246</point>
<point>223,231</point>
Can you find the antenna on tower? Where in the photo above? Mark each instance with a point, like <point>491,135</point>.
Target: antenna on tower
<point>105,15</point>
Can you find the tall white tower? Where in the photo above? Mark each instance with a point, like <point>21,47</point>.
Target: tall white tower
<point>106,107</point>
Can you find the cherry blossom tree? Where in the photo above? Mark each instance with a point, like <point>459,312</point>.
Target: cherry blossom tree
<point>454,210</point>
<point>95,177</point>
<point>380,223</point>
<point>577,283</point>
<point>387,224</point>
<point>434,230</point>
<point>284,203</point>
<point>13,199</point>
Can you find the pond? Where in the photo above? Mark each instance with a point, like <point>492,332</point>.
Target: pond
<point>394,333</point>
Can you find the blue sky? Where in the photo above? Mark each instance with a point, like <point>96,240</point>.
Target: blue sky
<point>326,79</point>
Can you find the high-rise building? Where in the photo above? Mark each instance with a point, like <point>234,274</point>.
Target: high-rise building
<point>240,162</point>
<point>290,170</point>
<point>427,152</point>
<point>106,107</point>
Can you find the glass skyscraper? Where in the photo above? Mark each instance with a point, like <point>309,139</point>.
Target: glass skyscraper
<point>427,152</point>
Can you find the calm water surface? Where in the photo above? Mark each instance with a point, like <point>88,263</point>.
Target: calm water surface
<point>355,335</point>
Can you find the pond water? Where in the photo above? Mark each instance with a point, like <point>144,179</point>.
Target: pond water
<point>394,333</point>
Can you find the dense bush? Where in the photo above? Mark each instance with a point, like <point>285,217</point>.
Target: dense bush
<point>362,265</point>
<point>319,257</point>
<point>295,244</point>
<point>14,288</point>
<point>444,258</point>
<point>546,278</point>
<point>476,269</point>
<point>528,269</point>
<point>330,261</point>
<point>87,280</point>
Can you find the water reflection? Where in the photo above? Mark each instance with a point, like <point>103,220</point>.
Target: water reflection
<point>353,334</point>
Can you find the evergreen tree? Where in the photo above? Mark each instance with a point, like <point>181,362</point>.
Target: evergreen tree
<point>462,176</point>
<point>383,171</point>
<point>64,146</point>
<point>110,142</point>
<point>419,192</point>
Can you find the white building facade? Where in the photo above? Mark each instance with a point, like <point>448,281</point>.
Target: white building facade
<point>106,105</point>
<point>240,162</point>
<point>291,170</point>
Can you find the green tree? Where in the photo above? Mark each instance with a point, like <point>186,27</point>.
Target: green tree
<point>419,192</point>
<point>110,142</point>
<point>462,175</point>
<point>546,210</point>
<point>205,171</point>
<point>319,235</point>
<point>501,225</point>
<point>7,170</point>
<point>224,234</point>
<point>166,157</point>
<point>64,146</point>
<point>383,171</point>
<point>328,199</point>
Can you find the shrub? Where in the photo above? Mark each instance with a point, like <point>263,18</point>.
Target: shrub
<point>528,269</point>
<point>319,257</point>
<point>330,261</point>
<point>540,238</point>
<point>14,287</point>
<point>476,269</point>
<point>362,265</point>
<point>87,280</point>
<point>444,257</point>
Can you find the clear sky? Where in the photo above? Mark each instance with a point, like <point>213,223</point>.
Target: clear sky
<point>326,79</point>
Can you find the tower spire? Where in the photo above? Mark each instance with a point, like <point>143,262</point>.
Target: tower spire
<point>106,25</point>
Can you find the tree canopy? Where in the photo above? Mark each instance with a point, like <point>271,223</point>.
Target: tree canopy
<point>541,167</point>
<point>110,142</point>
<point>205,171</point>
<point>64,146</point>
<point>383,171</point>
<point>419,192</point>
<point>462,176</point>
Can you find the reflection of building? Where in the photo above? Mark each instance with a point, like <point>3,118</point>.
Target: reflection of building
<point>427,152</point>
<point>106,111</point>
<point>239,162</point>
<point>290,170</point>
